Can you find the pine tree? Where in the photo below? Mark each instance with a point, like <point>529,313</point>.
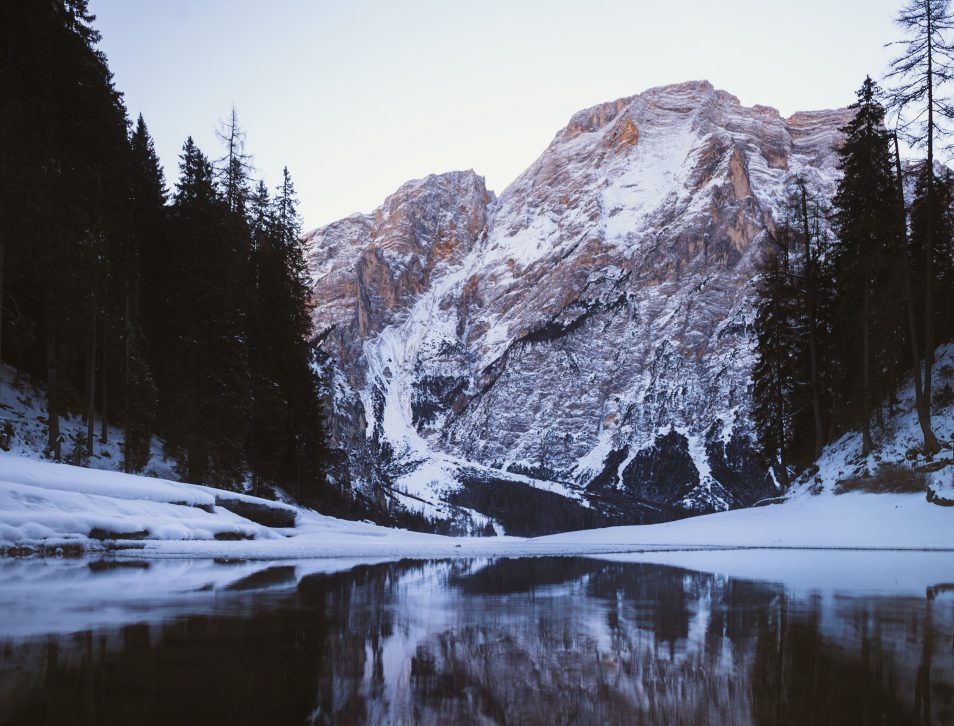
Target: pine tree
<point>189,320</point>
<point>204,380</point>
<point>905,272</point>
<point>68,141</point>
<point>945,260</point>
<point>931,233</point>
<point>863,257</point>
<point>287,438</point>
<point>233,169</point>
<point>792,391</point>
<point>926,63</point>
<point>811,300</point>
<point>311,449</point>
<point>774,372</point>
<point>142,294</point>
<point>271,425</point>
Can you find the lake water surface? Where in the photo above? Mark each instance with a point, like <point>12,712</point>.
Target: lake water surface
<point>546,640</point>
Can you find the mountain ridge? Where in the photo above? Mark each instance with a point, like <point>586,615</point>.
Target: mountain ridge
<point>588,328</point>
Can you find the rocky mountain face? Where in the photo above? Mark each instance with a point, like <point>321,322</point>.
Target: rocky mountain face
<point>579,350</point>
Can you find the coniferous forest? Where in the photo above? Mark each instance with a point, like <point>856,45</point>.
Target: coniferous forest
<point>856,292</point>
<point>178,309</point>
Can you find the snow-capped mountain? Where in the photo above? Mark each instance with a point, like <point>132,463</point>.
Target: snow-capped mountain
<point>586,336</point>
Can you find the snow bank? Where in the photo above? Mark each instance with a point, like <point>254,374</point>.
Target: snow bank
<point>941,487</point>
<point>46,503</point>
<point>888,521</point>
<point>30,514</point>
<point>63,477</point>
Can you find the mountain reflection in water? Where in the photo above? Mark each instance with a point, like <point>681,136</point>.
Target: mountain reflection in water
<point>546,640</point>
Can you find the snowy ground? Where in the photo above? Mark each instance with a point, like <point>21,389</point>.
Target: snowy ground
<point>886,521</point>
<point>898,443</point>
<point>23,412</point>
<point>44,506</point>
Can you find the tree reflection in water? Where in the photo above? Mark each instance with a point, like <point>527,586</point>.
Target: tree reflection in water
<point>516,641</point>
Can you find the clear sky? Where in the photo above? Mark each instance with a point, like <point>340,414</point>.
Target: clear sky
<point>358,96</point>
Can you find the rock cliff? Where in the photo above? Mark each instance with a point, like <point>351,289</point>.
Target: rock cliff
<point>586,336</point>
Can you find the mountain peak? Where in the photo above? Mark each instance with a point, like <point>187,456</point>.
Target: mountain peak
<point>589,328</point>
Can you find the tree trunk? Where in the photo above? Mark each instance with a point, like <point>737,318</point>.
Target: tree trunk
<point>779,402</point>
<point>52,403</point>
<point>810,302</point>
<point>2,249</point>
<point>929,227</point>
<point>91,386</point>
<point>104,430</point>
<point>931,445</point>
<point>866,445</point>
<point>127,352</point>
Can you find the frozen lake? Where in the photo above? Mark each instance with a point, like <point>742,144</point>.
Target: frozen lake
<point>693,637</point>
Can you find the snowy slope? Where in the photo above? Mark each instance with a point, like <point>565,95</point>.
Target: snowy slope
<point>23,430</point>
<point>898,444</point>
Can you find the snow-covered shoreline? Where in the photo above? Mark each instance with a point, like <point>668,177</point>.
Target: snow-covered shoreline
<point>50,508</point>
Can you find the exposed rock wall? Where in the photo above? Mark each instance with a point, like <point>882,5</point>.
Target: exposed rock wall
<point>592,327</point>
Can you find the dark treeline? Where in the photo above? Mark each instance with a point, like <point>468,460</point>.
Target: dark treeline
<point>181,313</point>
<point>856,292</point>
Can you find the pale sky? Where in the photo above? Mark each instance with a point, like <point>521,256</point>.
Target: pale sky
<point>358,97</point>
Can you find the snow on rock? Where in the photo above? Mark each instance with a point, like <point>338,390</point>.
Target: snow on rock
<point>554,332</point>
<point>816,515</point>
<point>261,511</point>
<point>941,487</point>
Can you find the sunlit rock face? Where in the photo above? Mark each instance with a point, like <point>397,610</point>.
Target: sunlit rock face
<point>590,327</point>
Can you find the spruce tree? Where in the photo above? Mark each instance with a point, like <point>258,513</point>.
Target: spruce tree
<point>233,169</point>
<point>189,320</point>
<point>924,65</point>
<point>203,385</point>
<point>793,371</point>
<point>143,296</point>
<point>774,373</point>
<point>910,298</point>
<point>271,427</point>
<point>289,431</point>
<point>931,236</point>
<point>863,257</point>
<point>810,262</point>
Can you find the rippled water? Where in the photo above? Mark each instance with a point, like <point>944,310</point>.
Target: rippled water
<point>519,641</point>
